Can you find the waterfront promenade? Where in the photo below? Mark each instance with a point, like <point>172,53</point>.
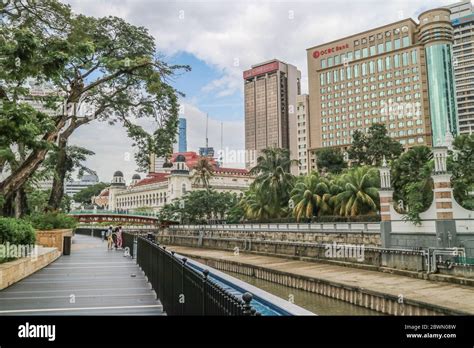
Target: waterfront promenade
<point>430,296</point>
<point>90,281</point>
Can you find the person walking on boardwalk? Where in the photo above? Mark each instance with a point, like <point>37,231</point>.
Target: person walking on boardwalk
<point>119,237</point>
<point>110,240</point>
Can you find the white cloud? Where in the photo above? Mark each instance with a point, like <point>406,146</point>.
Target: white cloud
<point>114,150</point>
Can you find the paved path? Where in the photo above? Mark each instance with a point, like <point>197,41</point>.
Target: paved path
<point>442,294</point>
<point>90,281</point>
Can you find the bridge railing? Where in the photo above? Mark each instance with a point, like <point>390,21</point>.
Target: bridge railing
<point>113,212</point>
<point>183,290</point>
<point>364,227</point>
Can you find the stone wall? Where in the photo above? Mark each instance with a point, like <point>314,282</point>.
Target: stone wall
<point>13,271</point>
<point>311,246</point>
<point>52,238</point>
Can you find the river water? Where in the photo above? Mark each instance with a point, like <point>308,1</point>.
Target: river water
<point>315,303</point>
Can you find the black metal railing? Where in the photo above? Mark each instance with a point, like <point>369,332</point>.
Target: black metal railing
<point>183,290</point>
<point>129,243</point>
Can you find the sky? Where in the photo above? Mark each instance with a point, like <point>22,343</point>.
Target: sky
<point>219,40</point>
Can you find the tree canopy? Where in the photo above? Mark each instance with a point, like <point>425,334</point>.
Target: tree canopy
<point>86,194</point>
<point>102,69</point>
<point>330,160</point>
<point>371,148</point>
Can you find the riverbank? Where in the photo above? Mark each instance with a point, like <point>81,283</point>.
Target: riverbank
<point>385,293</point>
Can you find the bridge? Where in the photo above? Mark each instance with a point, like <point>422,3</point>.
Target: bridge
<point>115,217</point>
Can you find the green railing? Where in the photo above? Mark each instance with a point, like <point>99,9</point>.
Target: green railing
<point>464,260</point>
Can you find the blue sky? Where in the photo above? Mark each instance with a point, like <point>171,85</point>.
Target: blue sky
<point>225,108</point>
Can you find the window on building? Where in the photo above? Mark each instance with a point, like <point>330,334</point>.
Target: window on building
<point>372,67</point>
<point>379,65</point>
<point>406,41</point>
<point>323,63</point>
<point>372,50</point>
<point>396,61</point>
<point>388,46</point>
<point>330,62</point>
<point>414,58</point>
<point>397,44</point>
<point>365,52</point>
<point>405,58</point>
<point>380,48</point>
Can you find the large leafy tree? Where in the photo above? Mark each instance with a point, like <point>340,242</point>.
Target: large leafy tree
<point>461,165</point>
<point>371,148</point>
<point>330,160</point>
<point>199,206</point>
<point>105,69</point>
<point>29,34</point>
<point>411,181</point>
<point>86,194</point>
<point>359,194</point>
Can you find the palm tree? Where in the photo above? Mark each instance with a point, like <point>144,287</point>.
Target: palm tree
<point>310,196</point>
<point>273,177</point>
<point>255,205</point>
<point>203,172</point>
<point>360,192</point>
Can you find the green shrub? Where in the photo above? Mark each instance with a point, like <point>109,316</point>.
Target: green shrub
<point>16,231</point>
<point>52,220</point>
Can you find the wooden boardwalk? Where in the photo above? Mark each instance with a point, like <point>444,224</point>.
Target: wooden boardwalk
<point>90,281</point>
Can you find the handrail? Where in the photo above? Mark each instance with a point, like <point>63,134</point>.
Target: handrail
<point>184,291</point>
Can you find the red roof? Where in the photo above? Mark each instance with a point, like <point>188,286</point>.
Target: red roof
<point>104,193</point>
<point>152,178</point>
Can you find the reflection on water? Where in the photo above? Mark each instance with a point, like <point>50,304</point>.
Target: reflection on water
<point>315,303</point>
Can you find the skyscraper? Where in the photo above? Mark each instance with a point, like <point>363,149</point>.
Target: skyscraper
<point>270,101</point>
<point>182,142</point>
<point>400,74</point>
<point>462,19</point>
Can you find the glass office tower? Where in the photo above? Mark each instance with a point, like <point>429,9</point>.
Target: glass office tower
<point>436,32</point>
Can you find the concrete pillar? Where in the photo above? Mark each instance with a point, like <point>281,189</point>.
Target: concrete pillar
<point>443,199</point>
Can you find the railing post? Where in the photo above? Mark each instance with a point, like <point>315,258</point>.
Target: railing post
<point>204,282</point>
<point>182,286</point>
<point>247,297</point>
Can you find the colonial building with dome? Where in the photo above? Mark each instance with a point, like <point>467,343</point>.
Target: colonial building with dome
<point>172,182</point>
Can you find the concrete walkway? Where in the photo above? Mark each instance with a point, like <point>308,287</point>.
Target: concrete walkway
<point>90,281</point>
<point>452,296</point>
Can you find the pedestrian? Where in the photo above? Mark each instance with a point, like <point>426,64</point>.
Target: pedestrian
<point>119,237</point>
<point>110,240</point>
